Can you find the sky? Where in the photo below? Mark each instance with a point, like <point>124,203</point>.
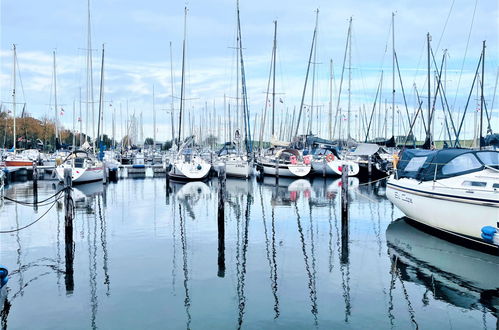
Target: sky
<point>137,37</point>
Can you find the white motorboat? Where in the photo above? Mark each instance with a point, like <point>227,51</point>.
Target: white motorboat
<point>84,167</point>
<point>451,192</point>
<point>285,162</point>
<point>327,162</point>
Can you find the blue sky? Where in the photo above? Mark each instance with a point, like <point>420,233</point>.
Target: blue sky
<point>137,36</point>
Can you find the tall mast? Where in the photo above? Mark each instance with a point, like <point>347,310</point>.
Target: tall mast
<point>55,105</point>
<point>90,76</point>
<point>306,76</point>
<point>14,95</point>
<point>101,99</point>
<point>393,75</point>
<point>81,122</point>
<point>153,120</point>
<point>313,86</point>
<point>247,132</point>
<point>171,82</point>
<point>273,76</point>
<point>349,76</point>
<point>74,114</point>
<point>428,132</point>
<point>482,101</point>
<point>182,80</point>
<point>330,116</point>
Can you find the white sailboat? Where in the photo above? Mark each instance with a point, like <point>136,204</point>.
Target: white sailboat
<point>187,165</point>
<point>451,192</point>
<point>84,167</point>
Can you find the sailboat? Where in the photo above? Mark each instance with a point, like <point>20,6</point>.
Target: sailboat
<point>281,159</point>
<point>236,163</point>
<point>187,165</point>
<point>16,159</point>
<point>84,166</point>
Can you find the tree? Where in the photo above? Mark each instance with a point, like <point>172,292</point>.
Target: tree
<point>148,142</point>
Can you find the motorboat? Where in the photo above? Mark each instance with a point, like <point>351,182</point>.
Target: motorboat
<point>453,193</point>
<point>83,165</point>
<point>284,162</point>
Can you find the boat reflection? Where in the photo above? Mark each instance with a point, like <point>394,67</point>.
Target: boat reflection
<point>452,273</point>
<point>285,191</point>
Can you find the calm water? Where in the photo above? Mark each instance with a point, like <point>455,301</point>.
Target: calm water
<point>148,258</point>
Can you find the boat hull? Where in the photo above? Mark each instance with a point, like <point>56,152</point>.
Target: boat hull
<point>19,163</point>
<point>287,170</point>
<point>183,171</point>
<point>239,168</point>
<point>82,175</point>
<point>457,215</point>
<point>334,168</point>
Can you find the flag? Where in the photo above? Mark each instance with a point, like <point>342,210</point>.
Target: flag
<point>79,119</point>
<point>62,112</point>
<point>280,100</point>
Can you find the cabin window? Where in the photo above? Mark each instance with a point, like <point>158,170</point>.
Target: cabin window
<point>415,164</point>
<point>489,158</point>
<point>463,163</point>
<point>474,184</point>
<point>495,186</point>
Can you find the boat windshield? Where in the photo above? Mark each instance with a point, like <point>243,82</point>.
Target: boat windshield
<point>463,163</point>
<point>489,158</point>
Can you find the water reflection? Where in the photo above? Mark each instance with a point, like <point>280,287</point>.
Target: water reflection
<point>462,277</point>
<point>283,259</point>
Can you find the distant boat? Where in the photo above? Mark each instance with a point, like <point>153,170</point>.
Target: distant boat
<point>285,162</point>
<point>83,165</point>
<point>327,161</point>
<point>187,164</point>
<point>453,193</point>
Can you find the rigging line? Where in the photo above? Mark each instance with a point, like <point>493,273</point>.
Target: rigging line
<point>464,57</point>
<point>445,25</point>
<point>20,79</point>
<point>30,224</point>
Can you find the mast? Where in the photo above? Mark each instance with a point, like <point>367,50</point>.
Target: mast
<point>306,76</point>
<point>393,75</point>
<point>330,117</point>
<point>14,96</point>
<point>313,88</point>
<point>482,101</point>
<point>55,106</point>
<point>74,114</point>
<point>101,98</point>
<point>349,76</point>
<point>182,81</point>
<point>171,82</point>
<point>81,123</point>
<point>90,77</point>
<point>273,76</point>
<point>153,120</point>
<point>428,132</point>
<point>247,132</point>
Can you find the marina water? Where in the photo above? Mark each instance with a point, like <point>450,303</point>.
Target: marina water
<point>152,256</point>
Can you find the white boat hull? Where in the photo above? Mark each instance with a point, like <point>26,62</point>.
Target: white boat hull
<point>288,170</point>
<point>463,214</point>
<point>334,167</point>
<point>237,167</point>
<point>189,170</point>
<point>82,175</point>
